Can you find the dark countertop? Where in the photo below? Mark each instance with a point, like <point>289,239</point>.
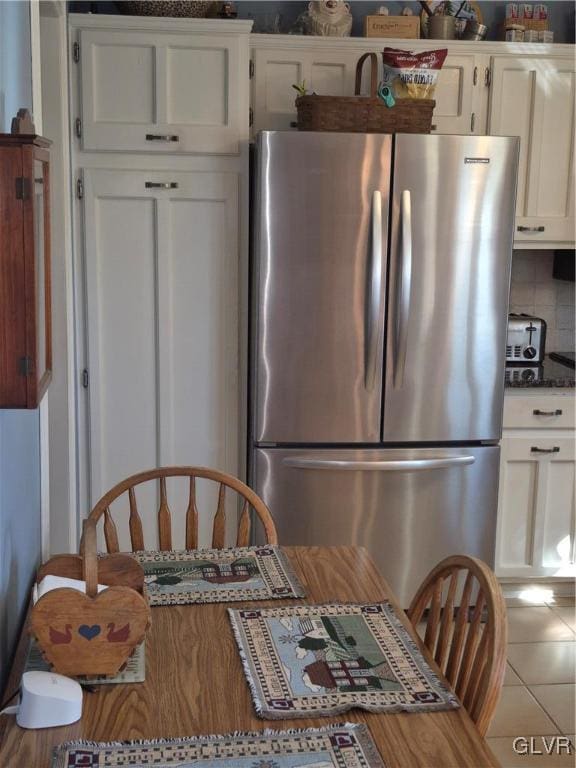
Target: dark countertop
<point>549,374</point>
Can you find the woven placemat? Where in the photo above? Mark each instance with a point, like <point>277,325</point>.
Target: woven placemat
<point>310,660</point>
<point>133,672</point>
<point>218,575</point>
<point>338,746</point>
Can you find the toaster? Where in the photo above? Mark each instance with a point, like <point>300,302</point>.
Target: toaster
<point>526,339</point>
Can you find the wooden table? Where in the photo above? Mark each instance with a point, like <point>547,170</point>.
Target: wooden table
<point>195,684</point>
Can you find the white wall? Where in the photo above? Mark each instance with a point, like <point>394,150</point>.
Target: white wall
<point>15,60</point>
<point>19,430</point>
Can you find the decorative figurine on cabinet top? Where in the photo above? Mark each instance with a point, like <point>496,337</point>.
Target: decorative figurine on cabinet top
<point>331,18</point>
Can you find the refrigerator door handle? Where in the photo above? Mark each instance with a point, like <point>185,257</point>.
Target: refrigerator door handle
<point>373,311</point>
<point>405,287</point>
<point>400,465</point>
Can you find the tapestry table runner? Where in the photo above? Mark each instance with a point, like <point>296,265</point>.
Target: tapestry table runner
<point>311,660</point>
<point>339,746</point>
<point>218,575</point>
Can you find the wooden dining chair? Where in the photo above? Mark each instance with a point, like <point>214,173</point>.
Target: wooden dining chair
<point>467,641</point>
<point>225,481</point>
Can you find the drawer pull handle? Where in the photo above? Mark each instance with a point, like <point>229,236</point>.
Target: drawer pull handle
<point>161,185</point>
<point>162,137</point>
<point>538,412</point>
<point>531,229</point>
<point>535,449</point>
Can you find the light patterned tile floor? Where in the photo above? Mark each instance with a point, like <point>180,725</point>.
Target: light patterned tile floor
<point>535,717</point>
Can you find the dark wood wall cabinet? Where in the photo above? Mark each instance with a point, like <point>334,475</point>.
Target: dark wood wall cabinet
<point>25,310</point>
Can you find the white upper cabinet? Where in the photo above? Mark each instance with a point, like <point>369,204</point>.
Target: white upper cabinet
<point>533,97</point>
<point>457,107</point>
<point>277,70</point>
<point>329,68</point>
<point>163,91</point>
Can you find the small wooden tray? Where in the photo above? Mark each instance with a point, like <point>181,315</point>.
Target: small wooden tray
<point>93,633</point>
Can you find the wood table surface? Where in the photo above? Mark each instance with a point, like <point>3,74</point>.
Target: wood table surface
<point>195,683</point>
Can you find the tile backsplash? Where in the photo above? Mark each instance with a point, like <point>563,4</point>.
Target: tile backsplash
<point>535,292</point>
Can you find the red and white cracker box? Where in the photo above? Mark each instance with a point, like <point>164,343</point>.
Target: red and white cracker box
<point>511,10</point>
<point>541,12</point>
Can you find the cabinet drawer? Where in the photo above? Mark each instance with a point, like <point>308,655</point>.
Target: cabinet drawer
<point>546,411</point>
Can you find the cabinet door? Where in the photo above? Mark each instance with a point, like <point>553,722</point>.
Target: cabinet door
<point>13,304</point>
<point>536,507</point>
<point>533,97</point>
<point>162,92</point>
<point>456,110</point>
<point>162,347</point>
<point>276,71</point>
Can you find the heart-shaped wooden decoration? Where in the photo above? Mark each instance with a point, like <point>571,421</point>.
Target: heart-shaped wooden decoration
<point>82,635</point>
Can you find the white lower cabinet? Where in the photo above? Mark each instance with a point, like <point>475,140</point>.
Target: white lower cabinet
<point>536,511</point>
<point>161,256</point>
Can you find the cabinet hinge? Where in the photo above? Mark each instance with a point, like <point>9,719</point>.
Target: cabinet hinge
<point>487,77</point>
<point>78,127</point>
<point>475,76</point>
<point>251,69</point>
<point>25,366</point>
<point>85,378</point>
<point>22,188</point>
<point>76,52</point>
<point>79,189</point>
<point>250,116</point>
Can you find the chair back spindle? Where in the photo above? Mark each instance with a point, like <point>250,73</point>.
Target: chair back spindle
<point>468,640</point>
<point>164,515</point>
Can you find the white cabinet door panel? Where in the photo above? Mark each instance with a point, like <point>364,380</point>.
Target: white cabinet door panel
<point>455,96</point>
<point>161,92</point>
<point>533,97</point>
<point>162,333</point>
<point>121,250</point>
<point>276,71</point>
<point>558,530</point>
<point>536,507</point>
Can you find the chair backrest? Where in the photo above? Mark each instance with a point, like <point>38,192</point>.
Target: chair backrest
<point>102,509</point>
<point>468,641</point>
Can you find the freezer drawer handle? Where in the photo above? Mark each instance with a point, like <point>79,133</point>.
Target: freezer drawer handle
<point>405,288</point>
<point>538,412</point>
<point>535,449</point>
<point>374,311</point>
<point>400,465</point>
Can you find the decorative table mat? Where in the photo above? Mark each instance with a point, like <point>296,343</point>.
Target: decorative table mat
<point>315,660</point>
<point>339,746</point>
<point>133,672</point>
<point>218,575</point>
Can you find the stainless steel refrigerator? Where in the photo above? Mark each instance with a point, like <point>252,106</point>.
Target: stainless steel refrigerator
<point>380,281</point>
